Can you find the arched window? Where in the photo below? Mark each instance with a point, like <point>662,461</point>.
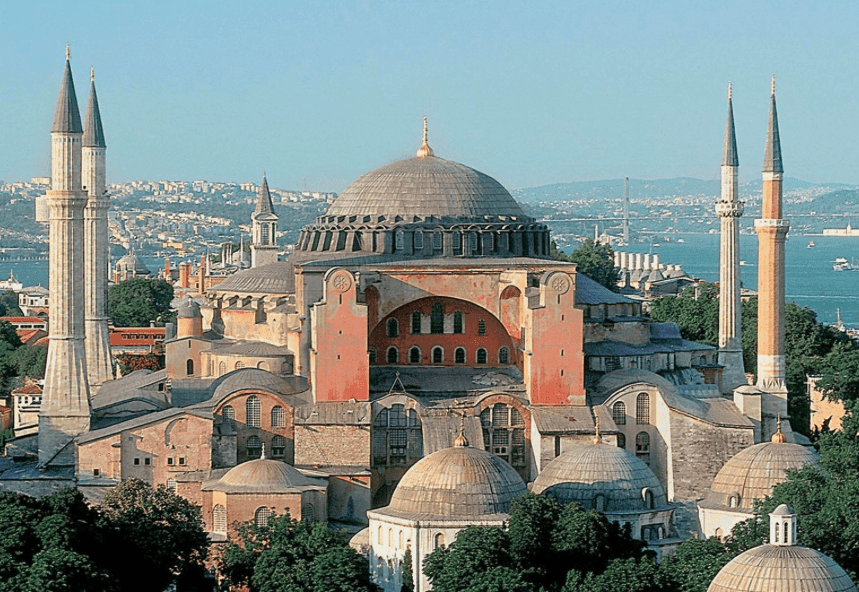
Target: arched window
<point>414,355</point>
<point>642,446</point>
<point>416,322</point>
<point>503,355</point>
<point>438,540</point>
<point>253,411</point>
<point>436,240</point>
<point>379,536</point>
<point>371,353</point>
<point>437,355</point>
<point>172,485</point>
<point>229,414</point>
<point>459,355</point>
<point>390,537</point>
<point>400,546</point>
<point>718,533</point>
<point>437,319</point>
<point>278,417</point>
<point>473,237</point>
<point>308,513</point>
<point>419,240</point>
<point>278,446</point>
<point>457,322</point>
<point>262,366</point>
<point>642,409</point>
<point>287,367</point>
<point>393,328</point>
<point>648,499</point>
<point>599,502</point>
<point>393,356</point>
<point>254,446</point>
<point>621,441</point>
<point>222,368</point>
<point>481,327</point>
<point>734,500</point>
<point>618,413</point>
<point>189,367</point>
<point>239,365</point>
<point>398,240</point>
<point>481,355</point>
<point>219,519</point>
<point>261,516</point>
<point>777,525</point>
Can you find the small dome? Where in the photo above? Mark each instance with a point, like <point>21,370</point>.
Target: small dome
<point>188,309</point>
<point>131,264</point>
<point>459,482</point>
<point>588,470</point>
<point>262,475</point>
<point>254,378</point>
<point>426,186</point>
<point>752,473</point>
<point>770,567</point>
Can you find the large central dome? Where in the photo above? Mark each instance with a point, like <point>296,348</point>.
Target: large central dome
<point>426,186</point>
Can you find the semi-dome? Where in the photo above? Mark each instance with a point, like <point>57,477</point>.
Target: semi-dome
<point>264,476</point>
<point>588,471</point>
<point>752,473</point>
<point>254,378</point>
<point>458,482</point>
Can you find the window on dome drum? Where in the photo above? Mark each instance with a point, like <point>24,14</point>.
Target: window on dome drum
<point>261,516</point>
<point>189,367</point>
<point>503,355</point>
<point>308,513</point>
<point>278,446</point>
<point>229,414</point>
<point>642,409</point>
<point>649,502</point>
<point>397,437</point>
<point>457,322</point>
<point>371,353</point>
<point>414,355</point>
<point>642,446</point>
<point>437,355</point>
<point>240,365</point>
<point>393,355</point>
<point>416,322</point>
<point>481,355</point>
<point>504,433</point>
<point>253,411</point>
<point>618,413</point>
<point>599,502</point>
<point>621,441</point>
<point>481,327</point>
<point>612,363</point>
<point>172,485</point>
<point>393,328</point>
<point>398,240</point>
<point>419,240</point>
<point>437,319</point>
<point>219,519</point>
<point>436,240</point>
<point>278,417</point>
<point>459,355</point>
<point>254,446</point>
<point>222,368</point>
<point>438,540</point>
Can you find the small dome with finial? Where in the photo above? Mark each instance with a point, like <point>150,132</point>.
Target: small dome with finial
<point>424,150</point>
<point>778,437</point>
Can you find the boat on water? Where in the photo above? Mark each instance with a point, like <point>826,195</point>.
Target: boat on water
<point>743,263</point>
<point>810,245</point>
<point>841,264</point>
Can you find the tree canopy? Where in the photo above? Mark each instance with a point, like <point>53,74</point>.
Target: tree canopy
<point>139,301</point>
<point>593,259</point>
<point>9,305</point>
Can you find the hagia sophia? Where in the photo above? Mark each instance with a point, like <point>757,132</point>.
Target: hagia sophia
<point>416,364</point>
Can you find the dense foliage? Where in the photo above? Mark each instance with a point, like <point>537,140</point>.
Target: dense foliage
<point>129,363</point>
<point>593,259</point>
<point>808,344</point>
<point>17,359</point>
<point>139,540</point>
<point>139,301</point>
<point>291,556</point>
<point>9,304</point>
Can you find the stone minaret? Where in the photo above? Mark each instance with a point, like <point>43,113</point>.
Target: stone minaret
<point>65,410</point>
<point>772,232</point>
<point>96,255</point>
<point>730,208</point>
<point>264,240</point>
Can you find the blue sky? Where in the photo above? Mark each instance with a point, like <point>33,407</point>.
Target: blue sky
<point>528,92</point>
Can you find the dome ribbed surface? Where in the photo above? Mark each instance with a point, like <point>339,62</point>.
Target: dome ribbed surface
<point>251,378</point>
<point>771,568</point>
<point>188,310</point>
<point>459,482</point>
<point>274,278</point>
<point>753,472</point>
<point>262,475</point>
<point>425,186</point>
<point>132,264</point>
<point>584,472</point>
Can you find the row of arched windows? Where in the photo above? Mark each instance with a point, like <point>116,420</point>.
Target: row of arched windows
<point>253,413</point>
<point>254,446</point>
<point>642,411</point>
<point>481,355</point>
<point>285,367</point>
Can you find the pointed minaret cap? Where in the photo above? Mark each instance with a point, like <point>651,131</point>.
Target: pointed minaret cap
<point>729,154</point>
<point>67,117</point>
<point>778,437</point>
<point>425,150</point>
<point>93,132</point>
<point>264,205</point>
<point>772,152</point>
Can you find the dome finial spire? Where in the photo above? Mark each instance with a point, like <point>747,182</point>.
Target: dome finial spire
<point>68,52</point>
<point>262,451</point>
<point>425,150</point>
<point>772,85</point>
<point>729,91</point>
<point>461,441</point>
<point>778,437</point>
<point>91,74</point>
<point>597,439</point>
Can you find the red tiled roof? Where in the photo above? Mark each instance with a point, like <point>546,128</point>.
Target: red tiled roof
<point>30,389</point>
<point>23,319</point>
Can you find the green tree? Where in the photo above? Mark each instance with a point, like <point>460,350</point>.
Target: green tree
<point>596,261</point>
<point>694,564</point>
<point>408,572</point>
<point>9,304</point>
<point>533,519</point>
<point>30,360</point>
<point>695,310</point>
<point>621,575</point>
<point>139,301</point>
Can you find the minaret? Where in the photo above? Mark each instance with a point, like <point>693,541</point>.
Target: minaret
<point>772,232</point>
<point>65,409</point>
<point>730,208</point>
<point>96,256</point>
<point>264,245</point>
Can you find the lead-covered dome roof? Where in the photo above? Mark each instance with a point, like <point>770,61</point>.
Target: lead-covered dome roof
<point>263,476</point>
<point>426,186</point>
<point>589,470</point>
<point>459,483</point>
<point>753,472</point>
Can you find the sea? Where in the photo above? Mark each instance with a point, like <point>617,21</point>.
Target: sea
<point>811,281</point>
